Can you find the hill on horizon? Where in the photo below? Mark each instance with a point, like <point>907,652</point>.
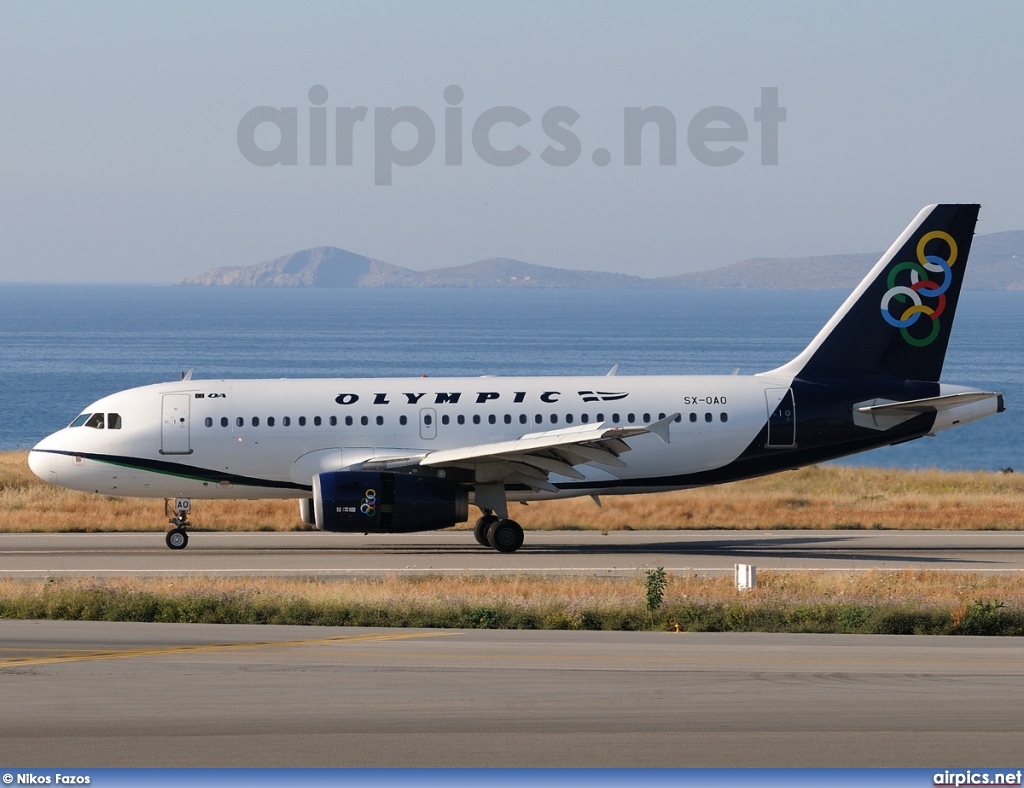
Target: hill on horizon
<point>995,264</point>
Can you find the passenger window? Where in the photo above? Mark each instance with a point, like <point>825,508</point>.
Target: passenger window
<point>522,418</point>
<point>286,421</point>
<point>302,421</point>
<point>476,419</point>
<point>255,421</point>
<point>568,418</point>
<point>630,418</point>
<point>113,421</point>
<point>693,417</point>
<point>585,418</point>
<point>647,418</point>
<point>208,422</point>
<point>615,418</point>
<point>724,417</point>
<point>239,422</point>
<point>334,421</point>
<point>445,419</point>
<point>679,417</point>
<point>317,421</point>
<point>380,421</point>
<point>223,421</point>
<point>403,420</point>
<point>348,421</point>
<point>364,420</point>
<point>600,418</point>
<point>508,418</point>
<point>538,418</point>
<point>270,421</point>
<point>491,419</point>
<point>461,419</point>
<point>708,417</point>
<point>96,421</point>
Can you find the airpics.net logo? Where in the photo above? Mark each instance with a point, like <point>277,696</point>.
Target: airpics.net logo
<point>956,779</point>
<point>407,136</point>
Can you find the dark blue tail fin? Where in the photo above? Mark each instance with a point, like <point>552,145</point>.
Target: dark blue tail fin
<point>896,323</point>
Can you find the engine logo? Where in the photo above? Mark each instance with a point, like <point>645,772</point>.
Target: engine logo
<point>369,503</point>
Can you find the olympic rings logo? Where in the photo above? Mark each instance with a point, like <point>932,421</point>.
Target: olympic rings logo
<point>369,504</point>
<point>920,287</point>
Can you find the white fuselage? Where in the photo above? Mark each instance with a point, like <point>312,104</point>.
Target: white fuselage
<point>268,438</point>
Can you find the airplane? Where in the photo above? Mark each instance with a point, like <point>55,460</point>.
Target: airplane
<point>396,455</point>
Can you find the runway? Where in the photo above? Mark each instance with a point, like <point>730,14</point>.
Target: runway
<point>91,694</point>
<point>617,552</point>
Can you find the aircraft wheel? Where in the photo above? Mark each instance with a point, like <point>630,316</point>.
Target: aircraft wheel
<point>505,536</point>
<point>481,528</point>
<point>177,539</point>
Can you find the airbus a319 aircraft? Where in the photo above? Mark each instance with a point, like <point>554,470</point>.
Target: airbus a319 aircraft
<point>394,455</point>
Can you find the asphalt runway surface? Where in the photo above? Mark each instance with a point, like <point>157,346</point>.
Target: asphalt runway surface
<point>94,694</point>
<point>557,552</point>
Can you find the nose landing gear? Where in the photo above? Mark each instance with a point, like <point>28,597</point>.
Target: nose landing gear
<point>177,538</point>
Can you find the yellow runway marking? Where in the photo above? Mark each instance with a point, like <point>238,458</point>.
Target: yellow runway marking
<point>583,659</point>
<point>83,655</point>
<point>87,655</point>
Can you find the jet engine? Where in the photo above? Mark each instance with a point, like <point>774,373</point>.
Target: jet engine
<point>374,502</point>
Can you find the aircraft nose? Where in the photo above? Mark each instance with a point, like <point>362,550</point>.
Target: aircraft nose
<point>42,465</point>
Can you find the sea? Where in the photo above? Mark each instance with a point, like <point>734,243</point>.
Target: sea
<point>64,346</point>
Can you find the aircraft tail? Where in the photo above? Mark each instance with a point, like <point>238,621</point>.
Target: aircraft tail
<point>896,323</point>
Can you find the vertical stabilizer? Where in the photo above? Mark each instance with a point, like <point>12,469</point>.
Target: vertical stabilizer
<point>896,323</point>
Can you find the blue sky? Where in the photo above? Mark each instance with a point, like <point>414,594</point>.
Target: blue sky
<point>121,163</point>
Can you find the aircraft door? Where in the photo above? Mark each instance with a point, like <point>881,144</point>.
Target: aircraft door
<point>174,430</point>
<point>781,418</point>
<point>428,424</point>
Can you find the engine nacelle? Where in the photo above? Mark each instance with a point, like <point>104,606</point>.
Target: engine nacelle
<point>373,502</point>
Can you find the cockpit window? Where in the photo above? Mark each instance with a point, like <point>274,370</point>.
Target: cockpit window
<point>97,421</point>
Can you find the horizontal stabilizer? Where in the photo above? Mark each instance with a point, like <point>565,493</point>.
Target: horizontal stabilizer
<point>884,414</point>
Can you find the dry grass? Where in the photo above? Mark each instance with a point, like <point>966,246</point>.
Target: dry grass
<point>904,602</point>
<point>938,588</point>
<point>822,497</point>
<point>391,590</point>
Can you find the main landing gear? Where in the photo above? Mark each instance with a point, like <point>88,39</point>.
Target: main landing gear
<point>505,536</point>
<point>177,538</point>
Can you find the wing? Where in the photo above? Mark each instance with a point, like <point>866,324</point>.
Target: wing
<point>531,458</point>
